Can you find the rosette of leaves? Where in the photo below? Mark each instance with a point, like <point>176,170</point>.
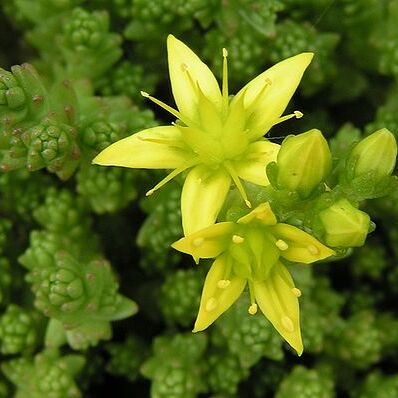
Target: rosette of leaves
<point>177,366</point>
<point>86,45</point>
<point>46,375</point>
<point>80,297</point>
<point>18,330</point>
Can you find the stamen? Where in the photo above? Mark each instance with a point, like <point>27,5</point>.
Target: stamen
<point>253,306</point>
<point>237,239</point>
<point>223,283</point>
<point>296,292</point>
<point>296,114</point>
<point>225,82</point>
<point>287,323</point>
<point>313,249</point>
<point>173,174</point>
<point>237,182</point>
<point>198,241</point>
<point>168,108</point>
<point>281,245</point>
<point>252,309</point>
<point>211,304</point>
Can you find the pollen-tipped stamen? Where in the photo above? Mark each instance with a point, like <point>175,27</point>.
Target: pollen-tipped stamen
<point>296,114</point>
<point>252,310</point>
<point>168,108</point>
<point>234,175</point>
<point>173,174</point>
<point>225,99</point>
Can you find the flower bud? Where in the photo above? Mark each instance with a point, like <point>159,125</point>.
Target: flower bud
<point>344,225</point>
<point>376,153</point>
<point>303,162</point>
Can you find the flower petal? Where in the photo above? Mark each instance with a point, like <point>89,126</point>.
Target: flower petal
<point>208,242</point>
<point>216,300</point>
<point>202,197</point>
<point>276,298</point>
<point>252,167</point>
<point>267,95</point>
<point>186,71</point>
<point>301,246</point>
<point>262,213</point>
<point>155,148</point>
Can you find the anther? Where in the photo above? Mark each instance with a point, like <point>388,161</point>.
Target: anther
<point>198,241</point>
<point>296,292</point>
<point>150,192</point>
<point>287,323</point>
<point>313,249</point>
<point>211,304</point>
<point>281,245</point>
<point>144,94</point>
<point>224,53</point>
<point>248,204</point>
<point>237,239</point>
<point>298,114</point>
<point>223,283</point>
<point>252,309</point>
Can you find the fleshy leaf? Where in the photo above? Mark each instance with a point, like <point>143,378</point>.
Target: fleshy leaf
<point>202,197</point>
<point>302,247</point>
<point>216,300</point>
<point>267,95</point>
<point>276,299</point>
<point>260,154</point>
<point>155,148</point>
<point>186,72</point>
<point>207,243</point>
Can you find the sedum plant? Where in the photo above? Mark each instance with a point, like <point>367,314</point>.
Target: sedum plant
<point>97,294</point>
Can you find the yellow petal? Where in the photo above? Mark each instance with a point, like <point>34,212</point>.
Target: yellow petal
<point>278,302</point>
<point>155,148</point>
<point>202,197</point>
<point>262,213</point>
<point>301,246</point>
<point>252,167</point>
<point>216,300</point>
<point>186,72</point>
<point>208,242</point>
<point>267,96</point>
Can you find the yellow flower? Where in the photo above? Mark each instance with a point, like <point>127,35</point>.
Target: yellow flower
<point>250,252</point>
<point>219,139</point>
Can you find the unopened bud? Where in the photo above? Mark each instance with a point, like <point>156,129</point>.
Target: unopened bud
<point>304,161</point>
<point>344,225</point>
<point>376,153</point>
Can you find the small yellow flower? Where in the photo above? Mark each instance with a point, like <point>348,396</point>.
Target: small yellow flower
<point>250,252</point>
<point>219,139</point>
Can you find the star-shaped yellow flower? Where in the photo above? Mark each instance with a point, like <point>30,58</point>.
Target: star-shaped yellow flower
<point>219,139</point>
<point>250,252</point>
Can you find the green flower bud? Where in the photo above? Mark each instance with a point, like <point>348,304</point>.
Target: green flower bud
<point>17,330</point>
<point>376,153</point>
<point>304,161</point>
<point>344,225</point>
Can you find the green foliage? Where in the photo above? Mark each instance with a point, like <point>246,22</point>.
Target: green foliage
<point>127,357</point>
<point>18,330</point>
<point>303,382</point>
<point>177,366</point>
<point>70,87</point>
<point>47,374</point>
